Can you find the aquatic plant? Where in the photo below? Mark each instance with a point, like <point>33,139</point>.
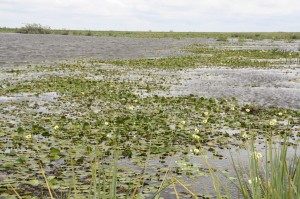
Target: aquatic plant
<point>215,56</point>
<point>98,130</point>
<point>278,176</point>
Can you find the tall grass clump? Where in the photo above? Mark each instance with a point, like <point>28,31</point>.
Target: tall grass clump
<point>272,174</point>
<point>34,28</point>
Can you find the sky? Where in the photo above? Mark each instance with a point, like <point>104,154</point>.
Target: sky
<point>155,15</point>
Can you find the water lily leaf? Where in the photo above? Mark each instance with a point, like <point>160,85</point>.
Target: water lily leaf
<point>34,182</point>
<point>139,196</point>
<point>50,178</point>
<point>21,160</point>
<point>85,126</point>
<point>53,182</point>
<point>6,196</point>
<point>11,152</point>
<point>20,130</point>
<point>55,154</point>
<point>54,151</point>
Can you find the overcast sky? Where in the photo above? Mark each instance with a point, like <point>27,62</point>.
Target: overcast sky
<point>155,15</point>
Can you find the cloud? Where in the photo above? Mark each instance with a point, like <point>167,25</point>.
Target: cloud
<point>178,15</point>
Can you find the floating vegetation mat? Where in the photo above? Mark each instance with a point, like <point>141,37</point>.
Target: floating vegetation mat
<point>87,128</point>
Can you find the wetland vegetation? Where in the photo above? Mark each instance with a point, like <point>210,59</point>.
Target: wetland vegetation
<point>206,56</point>
<point>34,28</point>
<point>108,129</point>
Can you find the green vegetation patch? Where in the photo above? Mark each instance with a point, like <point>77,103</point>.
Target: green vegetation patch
<point>35,28</point>
<point>214,56</point>
<point>101,131</point>
<point>253,54</point>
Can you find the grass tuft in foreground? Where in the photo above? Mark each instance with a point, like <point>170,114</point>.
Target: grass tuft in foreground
<point>273,174</point>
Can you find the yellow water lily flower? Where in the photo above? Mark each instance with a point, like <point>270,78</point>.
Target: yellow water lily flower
<point>197,137</point>
<point>280,114</point>
<point>232,108</point>
<point>204,121</point>
<point>247,110</point>
<point>182,122</point>
<point>272,122</point>
<point>257,155</point>
<point>206,113</point>
<point>256,180</point>
<point>196,151</point>
<point>197,130</point>
<point>131,107</point>
<point>56,127</point>
<point>28,137</point>
<point>106,123</point>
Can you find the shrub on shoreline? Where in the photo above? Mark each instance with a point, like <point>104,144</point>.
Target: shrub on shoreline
<point>34,28</point>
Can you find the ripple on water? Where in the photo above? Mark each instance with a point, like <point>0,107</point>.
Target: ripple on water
<point>22,97</point>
